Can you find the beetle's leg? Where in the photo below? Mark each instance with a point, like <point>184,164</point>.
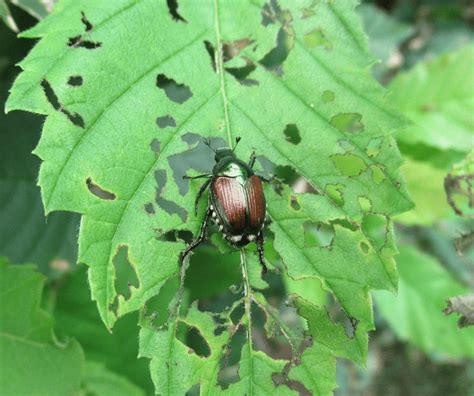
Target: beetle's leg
<point>200,238</point>
<point>267,179</point>
<point>196,177</point>
<point>261,257</point>
<point>199,194</point>
<point>252,159</point>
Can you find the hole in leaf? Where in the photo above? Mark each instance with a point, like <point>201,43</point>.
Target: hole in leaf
<point>149,208</point>
<point>271,341</point>
<point>272,13</point>
<point>156,308</point>
<point>125,275</point>
<point>178,93</point>
<point>229,362</point>
<point>241,73</point>
<point>155,146</point>
<point>166,121</point>
<point>98,191</point>
<point>51,95</point>
<point>316,38</point>
<point>349,164</point>
<point>292,134</point>
<point>88,26</point>
<point>195,390</point>
<point>352,226</point>
<point>175,236</point>
<point>318,234</point>
<point>328,96</point>
<point>199,158</point>
<point>275,58</point>
<point>365,204</point>
<point>378,175</point>
<point>231,49</point>
<point>335,192</point>
<point>78,41</point>
<point>53,99</point>
<point>114,306</point>
<point>346,145</point>
<point>374,147</point>
<point>295,205</point>
<point>348,122</point>
<point>339,316</point>
<point>364,247</point>
<point>173,9</point>
<point>374,227</point>
<point>191,138</point>
<point>308,12</point>
<point>212,53</point>
<point>192,338</point>
<point>218,272</point>
<point>168,206</point>
<point>75,81</point>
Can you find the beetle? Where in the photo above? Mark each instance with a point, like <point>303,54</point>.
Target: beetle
<point>236,202</point>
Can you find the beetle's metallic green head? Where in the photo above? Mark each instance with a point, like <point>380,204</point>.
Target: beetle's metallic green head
<point>222,153</point>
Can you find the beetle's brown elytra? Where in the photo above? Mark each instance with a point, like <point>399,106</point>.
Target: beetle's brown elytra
<point>236,202</point>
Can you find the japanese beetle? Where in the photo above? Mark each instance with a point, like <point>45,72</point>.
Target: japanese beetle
<point>236,201</point>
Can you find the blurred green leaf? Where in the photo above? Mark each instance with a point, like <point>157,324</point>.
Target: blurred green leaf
<point>36,8</point>
<point>459,186</point>
<point>77,315</point>
<point>415,314</point>
<point>26,235</point>
<point>438,96</point>
<point>426,186</point>
<point>385,34</point>
<point>32,359</point>
<point>99,381</point>
<point>6,16</point>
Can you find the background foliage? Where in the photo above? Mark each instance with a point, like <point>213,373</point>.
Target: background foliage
<point>425,58</point>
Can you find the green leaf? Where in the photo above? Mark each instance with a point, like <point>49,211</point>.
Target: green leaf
<point>98,380</point>
<point>385,34</point>
<point>129,89</point>
<point>317,367</point>
<point>75,314</point>
<point>438,96</point>
<point>6,16</point>
<point>36,8</point>
<point>459,184</point>
<point>415,314</point>
<point>31,357</point>
<point>426,185</point>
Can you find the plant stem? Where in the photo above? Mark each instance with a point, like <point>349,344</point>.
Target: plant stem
<point>220,70</point>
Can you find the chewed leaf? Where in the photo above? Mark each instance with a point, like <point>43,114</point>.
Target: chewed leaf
<point>158,77</point>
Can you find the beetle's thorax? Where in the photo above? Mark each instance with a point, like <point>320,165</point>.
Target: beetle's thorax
<point>231,166</point>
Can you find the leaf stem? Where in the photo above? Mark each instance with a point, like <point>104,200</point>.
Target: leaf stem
<point>220,70</point>
<point>247,304</point>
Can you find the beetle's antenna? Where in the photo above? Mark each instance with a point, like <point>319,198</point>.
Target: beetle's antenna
<point>237,140</point>
<point>207,142</point>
